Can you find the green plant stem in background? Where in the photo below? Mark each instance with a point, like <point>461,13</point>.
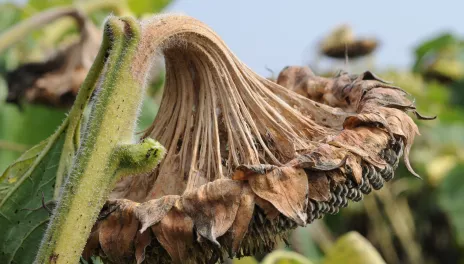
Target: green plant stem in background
<point>17,32</point>
<point>7,145</point>
<point>106,152</point>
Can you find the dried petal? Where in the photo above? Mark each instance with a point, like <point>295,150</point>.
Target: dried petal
<point>92,243</point>
<point>118,231</point>
<point>244,214</point>
<point>354,163</point>
<point>142,241</point>
<point>269,210</point>
<point>151,212</point>
<point>213,207</point>
<point>175,234</point>
<point>319,186</point>
<point>286,188</point>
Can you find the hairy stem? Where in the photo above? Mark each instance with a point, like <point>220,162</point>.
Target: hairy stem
<point>106,152</point>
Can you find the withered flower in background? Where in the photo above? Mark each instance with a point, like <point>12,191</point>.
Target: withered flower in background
<point>341,42</point>
<point>56,81</point>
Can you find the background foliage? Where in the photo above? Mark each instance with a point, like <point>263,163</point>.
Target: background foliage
<point>408,221</point>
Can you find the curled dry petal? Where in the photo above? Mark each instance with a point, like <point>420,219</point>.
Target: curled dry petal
<point>319,186</point>
<point>175,233</point>
<point>118,230</point>
<point>245,210</point>
<point>142,241</point>
<point>213,207</point>
<point>151,212</point>
<point>286,188</point>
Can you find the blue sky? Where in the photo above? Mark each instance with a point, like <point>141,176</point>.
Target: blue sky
<point>279,33</point>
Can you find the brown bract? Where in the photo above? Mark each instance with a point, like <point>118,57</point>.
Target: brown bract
<point>249,159</point>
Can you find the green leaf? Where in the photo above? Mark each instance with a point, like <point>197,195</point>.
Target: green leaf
<point>140,7</point>
<point>285,257</point>
<point>354,249</point>
<point>304,244</point>
<point>23,219</point>
<point>451,195</point>
<point>19,168</point>
<point>39,5</point>
<point>433,45</point>
<point>29,127</point>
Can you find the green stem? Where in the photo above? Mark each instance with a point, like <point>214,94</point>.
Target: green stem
<point>12,146</point>
<point>72,139</point>
<point>19,31</point>
<point>107,151</point>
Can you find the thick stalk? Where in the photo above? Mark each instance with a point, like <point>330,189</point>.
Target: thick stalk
<point>106,152</point>
<point>72,139</point>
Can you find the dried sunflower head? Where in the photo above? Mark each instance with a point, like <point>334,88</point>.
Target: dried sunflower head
<point>341,42</point>
<point>56,81</point>
<point>247,159</point>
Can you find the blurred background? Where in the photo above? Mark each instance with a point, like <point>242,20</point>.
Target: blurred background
<point>417,46</point>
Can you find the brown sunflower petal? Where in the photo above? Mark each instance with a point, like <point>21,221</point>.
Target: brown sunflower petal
<point>286,188</point>
<point>118,231</point>
<point>175,234</point>
<point>142,241</point>
<point>213,207</point>
<point>151,212</point>
<point>319,186</point>
<point>244,214</point>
